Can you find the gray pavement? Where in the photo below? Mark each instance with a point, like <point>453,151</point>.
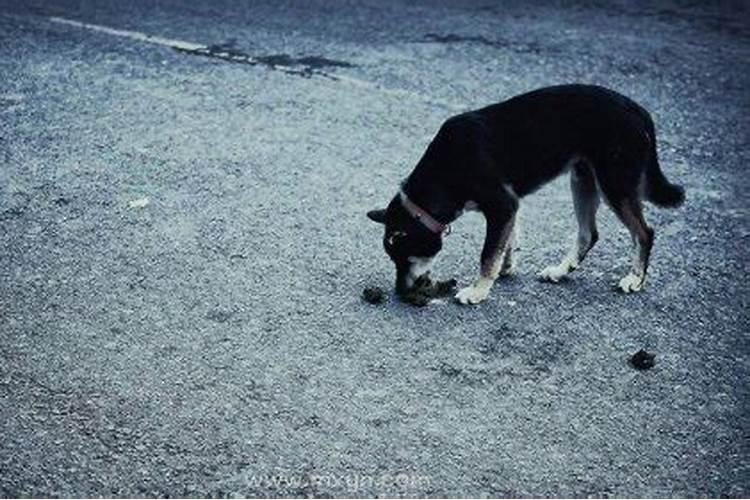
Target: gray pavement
<point>213,342</point>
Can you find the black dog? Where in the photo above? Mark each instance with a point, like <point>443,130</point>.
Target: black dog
<point>490,158</point>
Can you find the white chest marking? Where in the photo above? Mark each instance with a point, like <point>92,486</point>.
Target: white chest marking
<point>471,206</point>
<point>419,266</point>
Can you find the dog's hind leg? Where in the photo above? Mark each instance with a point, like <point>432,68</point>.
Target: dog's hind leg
<point>585,203</point>
<point>630,213</point>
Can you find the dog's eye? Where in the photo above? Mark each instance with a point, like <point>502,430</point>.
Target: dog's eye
<point>394,237</point>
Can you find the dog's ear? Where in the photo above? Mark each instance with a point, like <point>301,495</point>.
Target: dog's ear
<point>377,215</point>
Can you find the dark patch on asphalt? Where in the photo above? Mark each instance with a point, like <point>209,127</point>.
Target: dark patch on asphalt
<point>643,360</point>
<point>453,38</point>
<point>17,203</point>
<point>631,68</point>
<point>12,213</point>
<point>6,103</point>
<point>138,282</point>
<point>219,315</point>
<point>500,43</point>
<point>305,66</point>
<point>490,374</point>
<point>449,371</point>
<point>373,295</point>
<point>627,68</point>
<point>488,346</point>
<point>308,62</point>
<point>538,349</point>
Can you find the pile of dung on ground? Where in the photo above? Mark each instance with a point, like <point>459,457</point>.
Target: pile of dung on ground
<point>373,295</point>
<point>643,360</point>
<point>424,290</point>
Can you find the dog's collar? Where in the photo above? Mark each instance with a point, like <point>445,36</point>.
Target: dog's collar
<point>422,216</point>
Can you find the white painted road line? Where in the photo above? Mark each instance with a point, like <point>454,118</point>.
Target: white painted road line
<point>133,35</point>
<point>198,48</point>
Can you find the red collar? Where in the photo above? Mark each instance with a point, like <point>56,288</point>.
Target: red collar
<point>422,216</point>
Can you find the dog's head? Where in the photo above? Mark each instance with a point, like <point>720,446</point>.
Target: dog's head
<point>410,245</point>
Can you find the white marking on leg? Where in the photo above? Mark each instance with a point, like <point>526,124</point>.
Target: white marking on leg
<point>554,274</point>
<point>570,262</point>
<point>508,261</point>
<point>479,291</point>
<point>634,280</point>
<point>585,202</point>
<point>509,189</point>
<point>502,264</point>
<point>631,283</point>
<point>642,238</point>
<point>475,293</point>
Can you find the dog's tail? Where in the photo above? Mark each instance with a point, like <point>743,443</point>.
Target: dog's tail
<point>659,190</point>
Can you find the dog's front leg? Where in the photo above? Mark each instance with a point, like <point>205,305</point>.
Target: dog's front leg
<point>497,240</point>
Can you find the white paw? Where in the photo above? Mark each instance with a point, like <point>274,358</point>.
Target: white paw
<point>507,271</point>
<point>553,274</point>
<point>472,294</point>
<point>630,283</point>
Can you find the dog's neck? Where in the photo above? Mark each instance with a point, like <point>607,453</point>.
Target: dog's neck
<point>434,196</point>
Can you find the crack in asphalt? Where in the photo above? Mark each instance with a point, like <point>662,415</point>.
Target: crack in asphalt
<point>625,67</point>
<point>523,48</point>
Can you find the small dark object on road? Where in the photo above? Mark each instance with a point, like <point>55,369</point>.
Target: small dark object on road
<point>444,288</point>
<point>424,290</point>
<point>642,360</point>
<point>373,295</point>
<point>415,298</point>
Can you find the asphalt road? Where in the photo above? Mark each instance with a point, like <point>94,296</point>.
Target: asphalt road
<point>183,246</point>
